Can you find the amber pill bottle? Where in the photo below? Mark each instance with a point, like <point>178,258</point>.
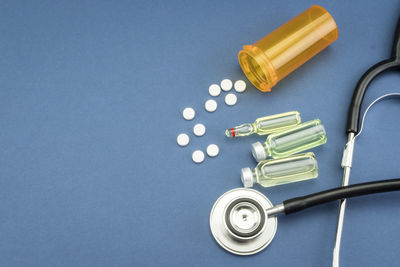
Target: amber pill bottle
<point>282,51</point>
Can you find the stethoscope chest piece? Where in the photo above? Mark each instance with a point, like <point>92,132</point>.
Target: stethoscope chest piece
<point>239,223</point>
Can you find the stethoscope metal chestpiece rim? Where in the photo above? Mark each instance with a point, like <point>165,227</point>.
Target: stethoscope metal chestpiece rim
<point>239,223</point>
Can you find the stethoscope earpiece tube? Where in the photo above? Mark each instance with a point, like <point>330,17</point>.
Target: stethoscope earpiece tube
<point>353,125</point>
<point>396,42</point>
<point>393,63</point>
<point>303,202</point>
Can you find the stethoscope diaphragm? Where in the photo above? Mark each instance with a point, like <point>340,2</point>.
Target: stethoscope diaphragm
<point>239,223</point>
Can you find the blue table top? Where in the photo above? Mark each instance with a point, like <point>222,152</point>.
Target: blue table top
<point>90,107</point>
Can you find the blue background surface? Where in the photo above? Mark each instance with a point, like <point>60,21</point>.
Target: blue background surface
<point>91,94</point>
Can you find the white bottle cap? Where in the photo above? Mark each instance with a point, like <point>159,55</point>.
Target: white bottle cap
<point>199,129</point>
<point>258,151</point>
<point>188,114</point>
<point>211,105</point>
<point>214,90</point>
<point>247,177</point>
<point>226,84</point>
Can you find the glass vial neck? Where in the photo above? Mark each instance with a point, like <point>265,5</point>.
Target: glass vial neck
<point>261,151</point>
<point>268,147</point>
<point>241,130</point>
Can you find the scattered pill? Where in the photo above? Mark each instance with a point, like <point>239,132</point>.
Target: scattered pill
<point>212,150</point>
<point>226,84</point>
<point>198,156</point>
<point>182,139</point>
<point>240,86</point>
<point>199,129</point>
<point>211,105</point>
<point>214,90</point>
<point>230,99</point>
<point>188,114</point>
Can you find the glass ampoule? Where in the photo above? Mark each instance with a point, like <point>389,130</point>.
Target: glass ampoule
<point>294,140</point>
<point>266,125</point>
<point>282,171</point>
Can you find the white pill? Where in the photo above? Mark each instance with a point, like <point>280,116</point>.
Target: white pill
<point>226,84</point>
<point>188,114</point>
<point>240,86</point>
<point>199,129</point>
<point>214,90</point>
<point>212,150</point>
<point>198,156</point>
<point>230,99</point>
<point>182,139</point>
<point>211,105</point>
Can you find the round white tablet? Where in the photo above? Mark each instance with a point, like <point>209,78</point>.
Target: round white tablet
<point>182,139</point>
<point>214,90</point>
<point>240,86</point>
<point>198,156</point>
<point>212,150</point>
<point>230,99</point>
<point>226,84</point>
<point>188,114</point>
<point>199,129</point>
<point>211,105</point>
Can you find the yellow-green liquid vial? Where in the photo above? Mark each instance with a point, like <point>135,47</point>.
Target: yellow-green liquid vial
<point>282,171</point>
<point>294,140</point>
<point>266,125</point>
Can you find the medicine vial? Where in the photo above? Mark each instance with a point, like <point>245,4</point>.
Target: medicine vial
<point>266,125</point>
<point>294,140</point>
<point>282,171</point>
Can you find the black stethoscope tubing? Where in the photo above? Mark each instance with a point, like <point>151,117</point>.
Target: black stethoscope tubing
<point>393,63</point>
<point>300,203</point>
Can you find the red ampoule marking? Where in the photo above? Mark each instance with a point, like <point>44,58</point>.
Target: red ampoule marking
<point>233,132</point>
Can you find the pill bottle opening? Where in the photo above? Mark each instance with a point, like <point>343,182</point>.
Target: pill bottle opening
<point>254,69</point>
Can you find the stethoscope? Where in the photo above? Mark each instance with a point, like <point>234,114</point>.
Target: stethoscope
<point>243,221</point>
<point>353,125</point>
